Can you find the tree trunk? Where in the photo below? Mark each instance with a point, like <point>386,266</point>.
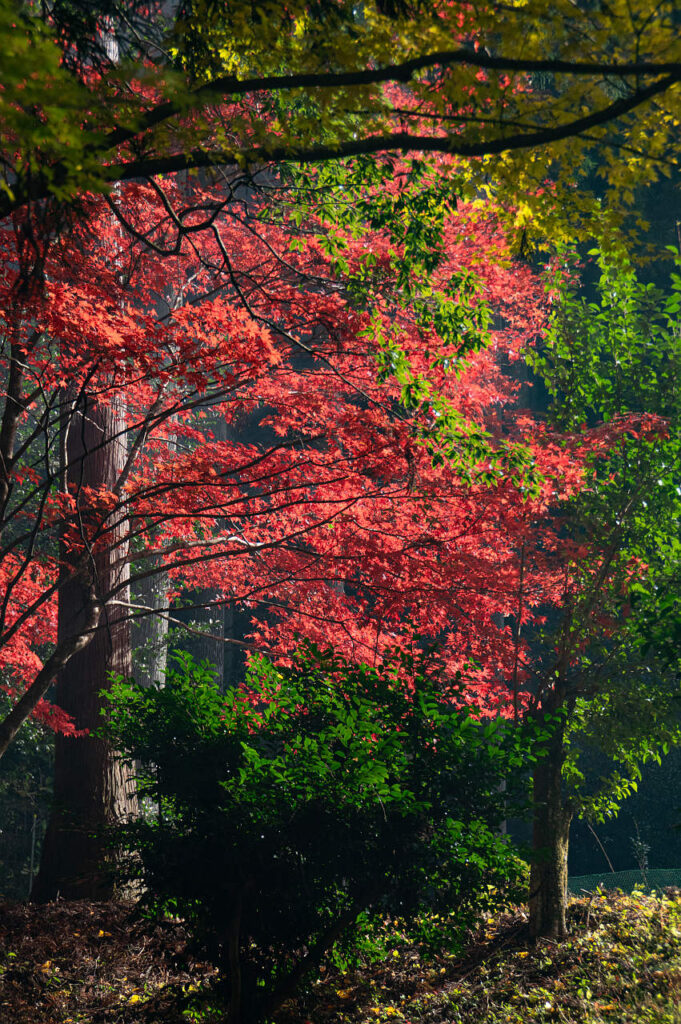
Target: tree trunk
<point>150,632</point>
<point>550,836</point>
<point>92,788</point>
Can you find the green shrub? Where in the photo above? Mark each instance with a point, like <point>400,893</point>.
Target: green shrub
<point>283,810</point>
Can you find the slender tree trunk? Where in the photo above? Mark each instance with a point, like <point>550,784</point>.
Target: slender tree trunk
<point>550,836</point>
<point>93,788</point>
<point>150,632</point>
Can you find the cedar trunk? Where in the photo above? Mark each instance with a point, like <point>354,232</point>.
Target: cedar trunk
<point>92,786</point>
<point>552,816</point>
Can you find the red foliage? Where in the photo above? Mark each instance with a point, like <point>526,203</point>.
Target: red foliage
<point>262,458</point>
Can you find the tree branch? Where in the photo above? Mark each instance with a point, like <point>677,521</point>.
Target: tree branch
<point>230,86</point>
<point>54,664</point>
<point>39,186</point>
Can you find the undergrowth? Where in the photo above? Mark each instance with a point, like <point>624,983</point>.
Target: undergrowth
<point>622,963</point>
<point>96,964</point>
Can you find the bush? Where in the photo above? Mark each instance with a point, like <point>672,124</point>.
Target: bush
<point>284,809</point>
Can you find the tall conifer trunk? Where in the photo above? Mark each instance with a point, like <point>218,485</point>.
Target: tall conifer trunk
<point>550,836</point>
<point>92,786</point>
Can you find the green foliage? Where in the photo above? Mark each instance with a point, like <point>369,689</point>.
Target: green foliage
<point>615,355</point>
<point>308,799</point>
<point>42,108</point>
<point>308,78</point>
<point>345,198</point>
<point>616,361</point>
<point>25,794</point>
<point>633,725</point>
<point>516,122</point>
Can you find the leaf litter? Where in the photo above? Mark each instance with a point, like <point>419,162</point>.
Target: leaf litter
<point>100,963</point>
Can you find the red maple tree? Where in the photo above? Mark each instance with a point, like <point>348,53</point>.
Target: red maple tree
<point>377,501</point>
<point>132,332</point>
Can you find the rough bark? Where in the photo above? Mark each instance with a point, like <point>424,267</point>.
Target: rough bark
<point>552,816</point>
<point>93,788</point>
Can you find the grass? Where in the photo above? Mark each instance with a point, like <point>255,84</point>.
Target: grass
<point>95,964</point>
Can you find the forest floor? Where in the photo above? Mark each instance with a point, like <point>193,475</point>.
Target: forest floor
<point>94,963</point>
